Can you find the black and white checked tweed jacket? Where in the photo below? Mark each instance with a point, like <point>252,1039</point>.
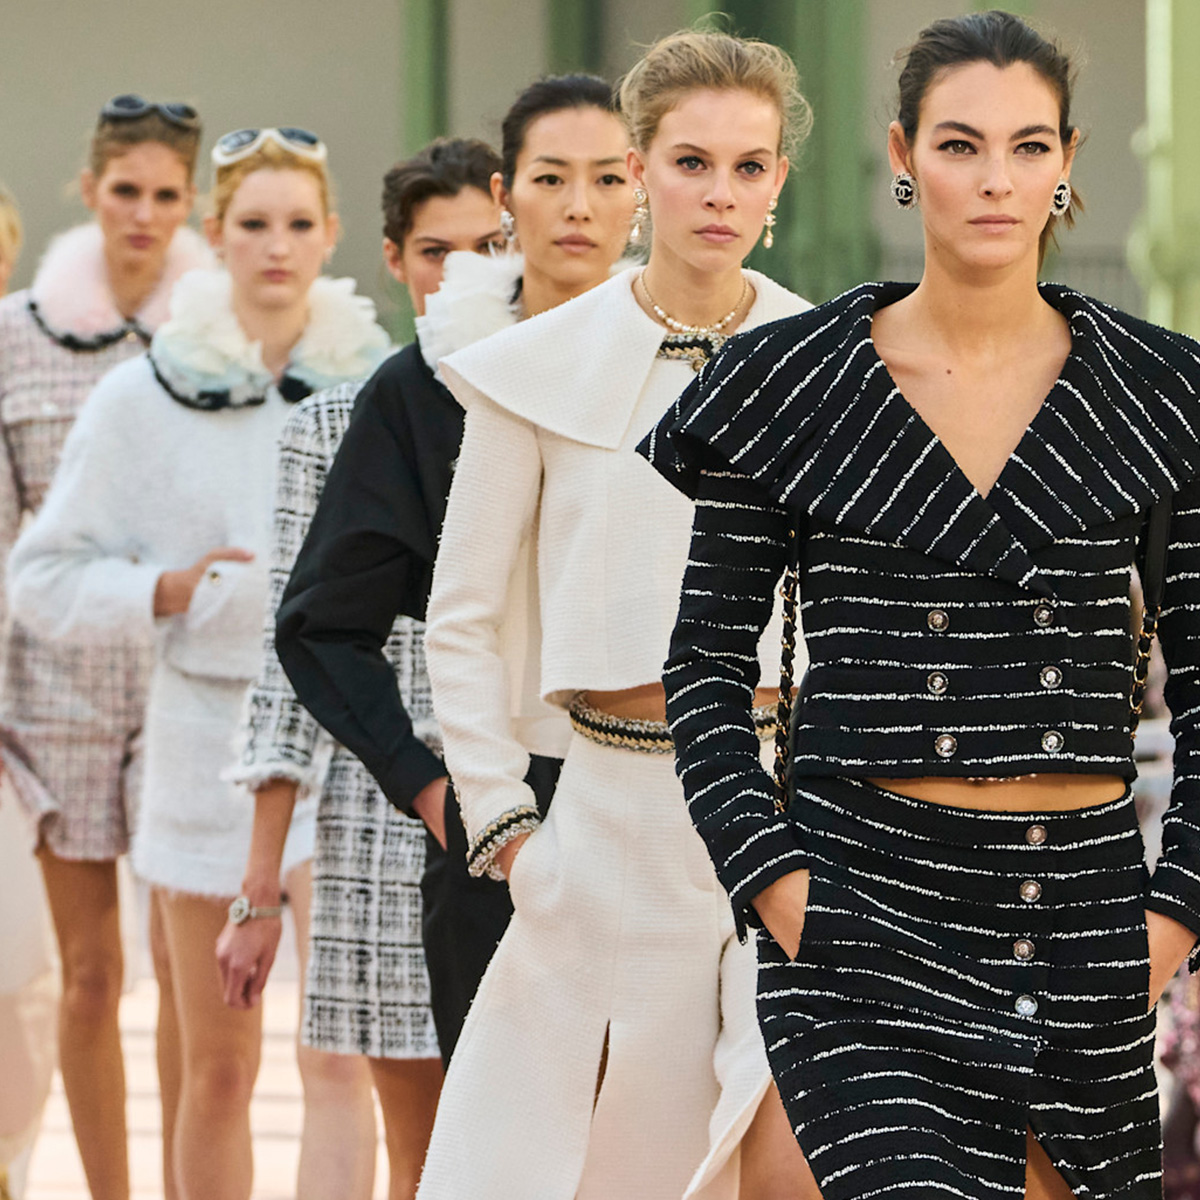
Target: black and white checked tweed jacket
<point>948,634</point>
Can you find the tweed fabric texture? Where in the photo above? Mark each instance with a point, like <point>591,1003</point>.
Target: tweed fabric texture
<point>75,711</point>
<point>620,930</point>
<point>367,987</point>
<point>948,634</point>
<point>960,978</point>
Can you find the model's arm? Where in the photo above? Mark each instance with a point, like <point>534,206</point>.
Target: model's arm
<point>75,573</point>
<point>1175,887</point>
<point>492,507</point>
<point>340,603</point>
<point>740,544</point>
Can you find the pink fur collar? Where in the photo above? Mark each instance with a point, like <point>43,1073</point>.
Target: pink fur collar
<point>71,288</point>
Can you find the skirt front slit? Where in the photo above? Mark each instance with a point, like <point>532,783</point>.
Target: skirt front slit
<point>964,975</point>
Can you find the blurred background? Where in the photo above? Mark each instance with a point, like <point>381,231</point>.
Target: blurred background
<point>378,78</point>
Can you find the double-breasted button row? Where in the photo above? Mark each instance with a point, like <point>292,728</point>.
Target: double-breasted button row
<point>1051,677</point>
<point>1043,616</point>
<point>937,683</point>
<point>1023,949</point>
<point>1026,1006</point>
<point>1031,891</point>
<point>1053,741</point>
<point>945,745</point>
<point>938,620</point>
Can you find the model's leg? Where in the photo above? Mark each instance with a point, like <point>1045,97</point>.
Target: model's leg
<point>1042,1180</point>
<point>773,1166</point>
<point>166,1044</point>
<point>408,1094</point>
<point>221,1046</point>
<point>337,1142</point>
<point>83,904</point>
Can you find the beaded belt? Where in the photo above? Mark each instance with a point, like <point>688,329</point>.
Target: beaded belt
<point>646,737</point>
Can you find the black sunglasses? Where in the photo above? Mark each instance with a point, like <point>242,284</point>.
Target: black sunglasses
<point>129,107</point>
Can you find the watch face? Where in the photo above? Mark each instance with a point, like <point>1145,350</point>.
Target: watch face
<point>239,910</point>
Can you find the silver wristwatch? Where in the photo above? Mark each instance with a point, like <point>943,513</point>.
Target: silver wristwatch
<point>241,911</point>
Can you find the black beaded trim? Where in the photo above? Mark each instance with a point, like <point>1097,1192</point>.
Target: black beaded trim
<point>290,388</point>
<point>102,341</point>
<point>495,835</point>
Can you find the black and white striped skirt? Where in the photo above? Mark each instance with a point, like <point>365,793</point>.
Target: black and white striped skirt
<point>962,976</point>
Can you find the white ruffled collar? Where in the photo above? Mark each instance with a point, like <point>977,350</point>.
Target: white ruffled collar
<point>204,359</point>
<point>72,300</point>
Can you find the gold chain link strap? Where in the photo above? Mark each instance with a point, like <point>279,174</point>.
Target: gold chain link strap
<point>787,671</point>
<point>1141,666</point>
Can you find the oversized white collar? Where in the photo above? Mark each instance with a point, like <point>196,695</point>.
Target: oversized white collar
<point>578,369</point>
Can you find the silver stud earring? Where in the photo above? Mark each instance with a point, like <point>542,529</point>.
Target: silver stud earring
<point>641,214</point>
<point>904,190</point>
<point>508,226</point>
<point>769,236</point>
<point>1062,199</point>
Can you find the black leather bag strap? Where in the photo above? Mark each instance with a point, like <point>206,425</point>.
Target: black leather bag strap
<point>1154,586</point>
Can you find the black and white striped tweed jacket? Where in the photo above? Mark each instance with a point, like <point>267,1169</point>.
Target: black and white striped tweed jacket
<point>947,633</point>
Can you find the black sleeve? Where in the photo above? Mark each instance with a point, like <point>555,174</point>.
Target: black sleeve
<point>740,541</point>
<point>366,559</point>
<point>1175,886</point>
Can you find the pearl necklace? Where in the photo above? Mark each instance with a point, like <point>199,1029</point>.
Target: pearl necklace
<point>712,332</point>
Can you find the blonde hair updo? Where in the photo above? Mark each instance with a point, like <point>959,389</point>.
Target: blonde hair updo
<point>695,60</point>
<point>270,156</point>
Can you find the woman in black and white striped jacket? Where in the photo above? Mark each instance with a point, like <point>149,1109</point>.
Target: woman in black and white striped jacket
<point>964,953</point>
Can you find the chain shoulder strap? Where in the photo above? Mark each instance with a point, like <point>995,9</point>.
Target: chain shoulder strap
<point>1154,583</point>
<point>787,678</point>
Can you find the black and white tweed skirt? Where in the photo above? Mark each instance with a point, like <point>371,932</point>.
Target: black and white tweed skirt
<point>962,976</point>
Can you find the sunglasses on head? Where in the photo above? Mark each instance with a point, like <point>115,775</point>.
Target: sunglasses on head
<point>129,107</point>
<point>241,143</point>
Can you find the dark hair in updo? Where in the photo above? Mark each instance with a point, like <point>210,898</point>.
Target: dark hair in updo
<point>995,37</point>
<point>443,168</point>
<point>554,93</point>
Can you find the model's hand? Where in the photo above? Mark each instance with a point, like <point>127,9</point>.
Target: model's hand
<point>174,589</point>
<point>244,955</point>
<point>1170,943</point>
<point>507,854</point>
<point>781,906</point>
<point>430,805</point>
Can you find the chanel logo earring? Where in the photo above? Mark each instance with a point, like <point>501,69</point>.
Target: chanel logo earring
<point>769,223</point>
<point>641,214</point>
<point>1062,199</point>
<point>904,190</point>
<point>508,226</point>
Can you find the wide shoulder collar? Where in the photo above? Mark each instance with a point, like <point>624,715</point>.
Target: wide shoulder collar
<point>807,409</point>
<point>71,299</point>
<point>203,358</point>
<point>579,369</point>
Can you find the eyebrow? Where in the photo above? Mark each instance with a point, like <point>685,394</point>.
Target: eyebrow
<point>971,131</point>
<point>701,150</point>
<point>437,241</point>
<point>596,162</point>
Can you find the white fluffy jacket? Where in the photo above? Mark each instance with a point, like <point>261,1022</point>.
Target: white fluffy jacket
<point>148,484</point>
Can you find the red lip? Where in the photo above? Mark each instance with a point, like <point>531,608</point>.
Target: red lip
<point>277,275</point>
<point>141,241</point>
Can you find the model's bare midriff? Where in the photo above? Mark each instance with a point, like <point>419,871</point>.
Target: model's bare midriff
<point>649,702</point>
<point>1028,793</point>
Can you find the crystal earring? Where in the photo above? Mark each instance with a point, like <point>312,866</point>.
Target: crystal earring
<point>769,236</point>
<point>641,214</point>
<point>904,190</point>
<point>1062,199</point>
<point>508,227</point>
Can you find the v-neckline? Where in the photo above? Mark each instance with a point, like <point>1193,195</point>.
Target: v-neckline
<point>897,395</point>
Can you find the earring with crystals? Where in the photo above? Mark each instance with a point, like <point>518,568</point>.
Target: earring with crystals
<point>769,236</point>
<point>1062,199</point>
<point>641,214</point>
<point>904,190</point>
<point>508,227</point>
